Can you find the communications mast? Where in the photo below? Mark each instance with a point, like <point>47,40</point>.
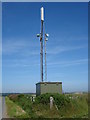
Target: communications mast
<point>44,86</point>
<point>41,36</point>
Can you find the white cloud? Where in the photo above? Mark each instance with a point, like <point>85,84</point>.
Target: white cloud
<point>59,49</point>
<point>69,63</point>
<point>27,47</point>
<point>12,46</point>
<point>51,64</point>
<point>15,45</point>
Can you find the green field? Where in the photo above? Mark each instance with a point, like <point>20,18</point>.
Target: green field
<point>65,106</point>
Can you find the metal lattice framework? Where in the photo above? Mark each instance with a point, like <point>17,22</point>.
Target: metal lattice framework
<point>41,36</point>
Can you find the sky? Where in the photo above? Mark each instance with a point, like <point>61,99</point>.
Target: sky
<point>67,46</point>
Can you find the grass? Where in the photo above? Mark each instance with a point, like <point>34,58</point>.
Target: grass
<point>75,109</point>
<point>25,103</point>
<point>69,105</point>
<point>14,110</point>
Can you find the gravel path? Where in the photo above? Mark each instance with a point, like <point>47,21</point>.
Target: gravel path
<point>0,107</point>
<point>4,110</point>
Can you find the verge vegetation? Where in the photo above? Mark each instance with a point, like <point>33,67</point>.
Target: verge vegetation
<point>65,106</point>
<point>13,110</point>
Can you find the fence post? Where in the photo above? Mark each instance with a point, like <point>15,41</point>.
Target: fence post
<point>51,102</point>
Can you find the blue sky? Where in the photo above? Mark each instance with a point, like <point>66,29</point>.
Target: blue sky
<point>67,47</point>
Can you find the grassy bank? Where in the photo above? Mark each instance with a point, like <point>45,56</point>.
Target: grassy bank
<point>13,110</point>
<point>69,105</point>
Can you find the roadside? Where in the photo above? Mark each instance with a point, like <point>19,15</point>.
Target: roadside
<point>4,108</point>
<point>14,111</point>
<point>69,105</point>
<point>0,107</point>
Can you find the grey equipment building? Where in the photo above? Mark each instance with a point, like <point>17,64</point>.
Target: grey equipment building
<point>48,87</point>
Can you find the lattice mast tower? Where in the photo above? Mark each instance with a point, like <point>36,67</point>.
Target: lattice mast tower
<point>41,36</point>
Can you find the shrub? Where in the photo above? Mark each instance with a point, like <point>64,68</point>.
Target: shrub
<point>59,99</point>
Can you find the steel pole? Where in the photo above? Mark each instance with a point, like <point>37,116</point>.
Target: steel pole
<point>41,40</point>
<point>45,61</point>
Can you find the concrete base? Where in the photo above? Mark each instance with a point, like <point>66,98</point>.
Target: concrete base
<point>48,87</point>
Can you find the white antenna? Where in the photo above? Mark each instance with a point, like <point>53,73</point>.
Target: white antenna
<point>42,13</point>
